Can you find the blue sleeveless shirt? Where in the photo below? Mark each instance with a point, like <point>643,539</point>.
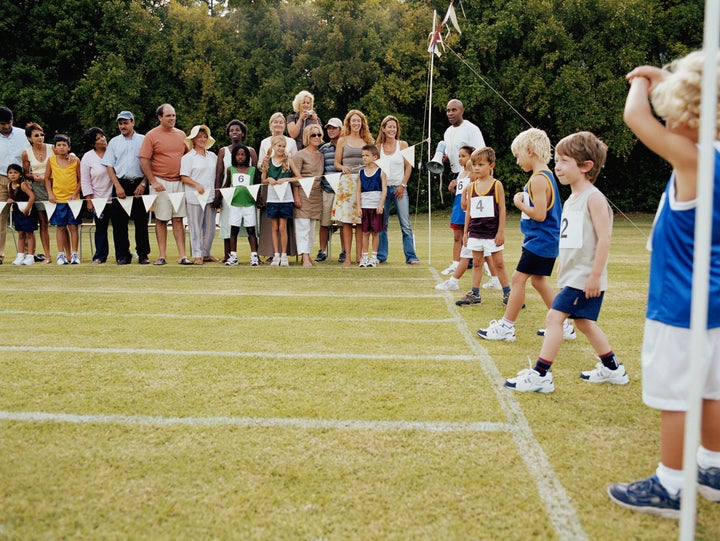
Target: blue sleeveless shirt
<point>543,238</point>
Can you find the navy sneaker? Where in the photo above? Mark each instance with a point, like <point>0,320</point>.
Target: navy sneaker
<point>341,259</point>
<point>709,483</point>
<point>646,496</point>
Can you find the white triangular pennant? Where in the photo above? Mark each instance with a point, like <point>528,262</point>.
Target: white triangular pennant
<point>227,193</point>
<point>99,204</point>
<point>2,205</point>
<point>49,208</point>
<point>176,199</point>
<point>148,201</point>
<point>383,163</point>
<point>253,189</point>
<point>75,206</point>
<point>203,198</point>
<point>409,154</point>
<point>333,179</point>
<point>22,205</point>
<point>127,204</point>
<point>281,189</point>
<point>453,18</point>
<point>307,184</point>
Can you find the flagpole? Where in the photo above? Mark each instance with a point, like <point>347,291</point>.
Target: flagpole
<point>701,269</point>
<point>429,140</point>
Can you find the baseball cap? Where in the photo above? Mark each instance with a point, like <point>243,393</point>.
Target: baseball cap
<point>125,115</point>
<point>334,122</point>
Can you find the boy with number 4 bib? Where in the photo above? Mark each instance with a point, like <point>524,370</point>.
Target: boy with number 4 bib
<point>585,231</point>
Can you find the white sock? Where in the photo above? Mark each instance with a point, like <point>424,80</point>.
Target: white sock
<point>507,323</point>
<point>283,254</point>
<point>671,479</point>
<point>233,254</point>
<point>455,263</point>
<point>251,253</point>
<point>277,254</point>
<point>707,458</point>
<point>453,280</point>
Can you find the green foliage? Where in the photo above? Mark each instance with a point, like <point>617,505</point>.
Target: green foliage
<point>554,64</point>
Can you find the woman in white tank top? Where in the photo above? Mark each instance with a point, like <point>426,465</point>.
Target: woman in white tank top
<point>35,159</point>
<point>398,171</point>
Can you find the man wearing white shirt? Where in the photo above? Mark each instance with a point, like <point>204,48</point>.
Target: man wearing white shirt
<point>12,143</point>
<point>460,133</point>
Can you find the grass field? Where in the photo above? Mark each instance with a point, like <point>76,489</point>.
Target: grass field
<point>266,403</point>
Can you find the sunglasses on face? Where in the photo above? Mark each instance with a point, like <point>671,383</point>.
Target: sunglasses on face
<point>315,135</point>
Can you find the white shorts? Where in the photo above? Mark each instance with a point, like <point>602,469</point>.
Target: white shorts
<point>243,216</point>
<point>162,207</point>
<point>666,366</point>
<point>487,246</point>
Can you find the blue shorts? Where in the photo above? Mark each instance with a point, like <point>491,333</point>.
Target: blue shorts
<point>63,216</point>
<point>279,210</point>
<point>573,302</point>
<point>535,265</point>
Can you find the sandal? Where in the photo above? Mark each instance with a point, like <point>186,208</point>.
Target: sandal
<point>185,261</point>
<point>198,261</point>
<point>160,261</point>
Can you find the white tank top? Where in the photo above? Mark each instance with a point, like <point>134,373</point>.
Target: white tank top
<point>395,165</point>
<point>36,166</point>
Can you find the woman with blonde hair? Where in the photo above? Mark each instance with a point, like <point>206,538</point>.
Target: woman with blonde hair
<point>303,117</point>
<point>348,160</point>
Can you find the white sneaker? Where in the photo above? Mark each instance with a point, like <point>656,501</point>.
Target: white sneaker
<point>29,260</point>
<point>254,260</point>
<point>364,261</point>
<point>74,259</point>
<point>61,259</point>
<point>486,270</point>
<point>602,374</point>
<point>19,259</point>
<point>373,262</point>
<point>568,331</point>
<point>492,283</point>
<point>232,261</point>
<point>497,331</point>
<point>284,261</point>
<point>528,380</point>
<point>448,285</point>
<point>451,269</point>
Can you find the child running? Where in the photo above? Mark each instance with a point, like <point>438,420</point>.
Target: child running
<point>240,175</point>
<point>371,193</point>
<point>62,180</point>
<point>540,223</point>
<point>584,247</point>
<point>484,233</point>
<point>675,96</point>
<point>24,214</point>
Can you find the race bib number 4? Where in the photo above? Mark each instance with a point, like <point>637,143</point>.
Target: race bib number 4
<point>482,207</point>
<point>571,229</point>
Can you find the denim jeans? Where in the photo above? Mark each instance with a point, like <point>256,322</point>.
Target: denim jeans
<point>402,206</point>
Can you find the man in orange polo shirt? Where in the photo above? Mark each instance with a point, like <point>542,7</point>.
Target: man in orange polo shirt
<point>160,155</point>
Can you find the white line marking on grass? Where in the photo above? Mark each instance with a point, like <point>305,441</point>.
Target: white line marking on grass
<point>224,293</point>
<point>560,510</point>
<point>130,315</point>
<point>337,424</point>
<point>238,354</point>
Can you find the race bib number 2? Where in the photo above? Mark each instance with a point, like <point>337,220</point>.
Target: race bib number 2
<point>571,229</point>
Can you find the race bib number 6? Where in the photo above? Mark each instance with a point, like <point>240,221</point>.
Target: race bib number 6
<point>240,179</point>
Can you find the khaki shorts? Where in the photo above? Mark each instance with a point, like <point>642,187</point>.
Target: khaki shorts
<point>162,207</point>
<point>328,204</point>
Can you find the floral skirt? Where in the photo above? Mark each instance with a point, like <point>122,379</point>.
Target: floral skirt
<point>346,209</point>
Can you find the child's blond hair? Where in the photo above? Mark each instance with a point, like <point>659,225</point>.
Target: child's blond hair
<point>677,98</point>
<point>534,139</point>
<point>285,160</point>
<point>581,147</point>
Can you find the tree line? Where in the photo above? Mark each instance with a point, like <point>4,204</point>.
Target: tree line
<point>555,64</point>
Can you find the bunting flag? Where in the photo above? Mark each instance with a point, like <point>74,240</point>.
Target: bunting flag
<point>75,206</point>
<point>49,208</point>
<point>253,189</point>
<point>452,17</point>
<point>176,199</point>
<point>409,154</point>
<point>22,205</point>
<point>148,201</point>
<point>383,164</point>
<point>281,189</point>
<point>126,204</point>
<point>436,37</point>
<point>228,193</point>
<point>307,184</point>
<point>333,179</point>
<point>2,205</point>
<point>202,198</point>
<point>99,204</point>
